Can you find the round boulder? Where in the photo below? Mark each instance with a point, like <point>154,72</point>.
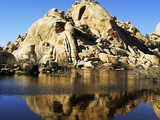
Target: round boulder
<point>7,58</point>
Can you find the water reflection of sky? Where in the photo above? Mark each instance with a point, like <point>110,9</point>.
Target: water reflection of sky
<point>142,112</point>
<point>15,108</point>
<point>99,96</point>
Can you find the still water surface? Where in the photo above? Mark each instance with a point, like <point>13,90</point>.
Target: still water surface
<point>105,95</point>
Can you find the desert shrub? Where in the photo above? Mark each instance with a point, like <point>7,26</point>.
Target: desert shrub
<point>84,28</point>
<point>9,43</point>
<point>155,45</point>
<point>121,53</point>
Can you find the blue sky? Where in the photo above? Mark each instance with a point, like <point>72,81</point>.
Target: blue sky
<point>16,16</point>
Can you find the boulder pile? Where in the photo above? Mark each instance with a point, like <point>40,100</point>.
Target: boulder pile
<point>86,37</point>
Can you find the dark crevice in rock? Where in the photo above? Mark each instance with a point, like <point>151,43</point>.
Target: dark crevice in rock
<point>133,41</point>
<point>88,40</point>
<point>60,27</point>
<point>81,11</point>
<point>129,40</point>
<point>68,49</point>
<point>35,70</point>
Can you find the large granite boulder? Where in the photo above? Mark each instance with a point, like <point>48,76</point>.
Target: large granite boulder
<point>7,58</point>
<point>50,36</point>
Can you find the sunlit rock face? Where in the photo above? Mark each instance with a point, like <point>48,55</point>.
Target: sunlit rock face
<point>92,15</point>
<point>157,31</point>
<point>100,23</point>
<point>48,38</point>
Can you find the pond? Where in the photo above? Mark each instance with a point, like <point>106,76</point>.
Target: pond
<point>104,95</point>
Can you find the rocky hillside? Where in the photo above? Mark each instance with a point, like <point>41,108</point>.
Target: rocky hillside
<point>86,37</point>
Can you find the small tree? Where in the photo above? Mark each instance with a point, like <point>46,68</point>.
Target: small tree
<point>9,43</point>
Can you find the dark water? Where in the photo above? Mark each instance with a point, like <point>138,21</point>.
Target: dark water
<point>105,95</point>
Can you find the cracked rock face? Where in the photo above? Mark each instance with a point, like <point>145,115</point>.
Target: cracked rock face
<point>51,37</point>
<point>102,24</point>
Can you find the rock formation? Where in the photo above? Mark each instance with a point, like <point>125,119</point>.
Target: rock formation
<point>157,31</point>
<point>86,36</point>
<point>7,61</point>
<point>50,38</point>
<point>7,58</point>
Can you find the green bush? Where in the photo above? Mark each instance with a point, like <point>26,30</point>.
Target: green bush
<point>155,45</point>
<point>121,53</point>
<point>9,43</point>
